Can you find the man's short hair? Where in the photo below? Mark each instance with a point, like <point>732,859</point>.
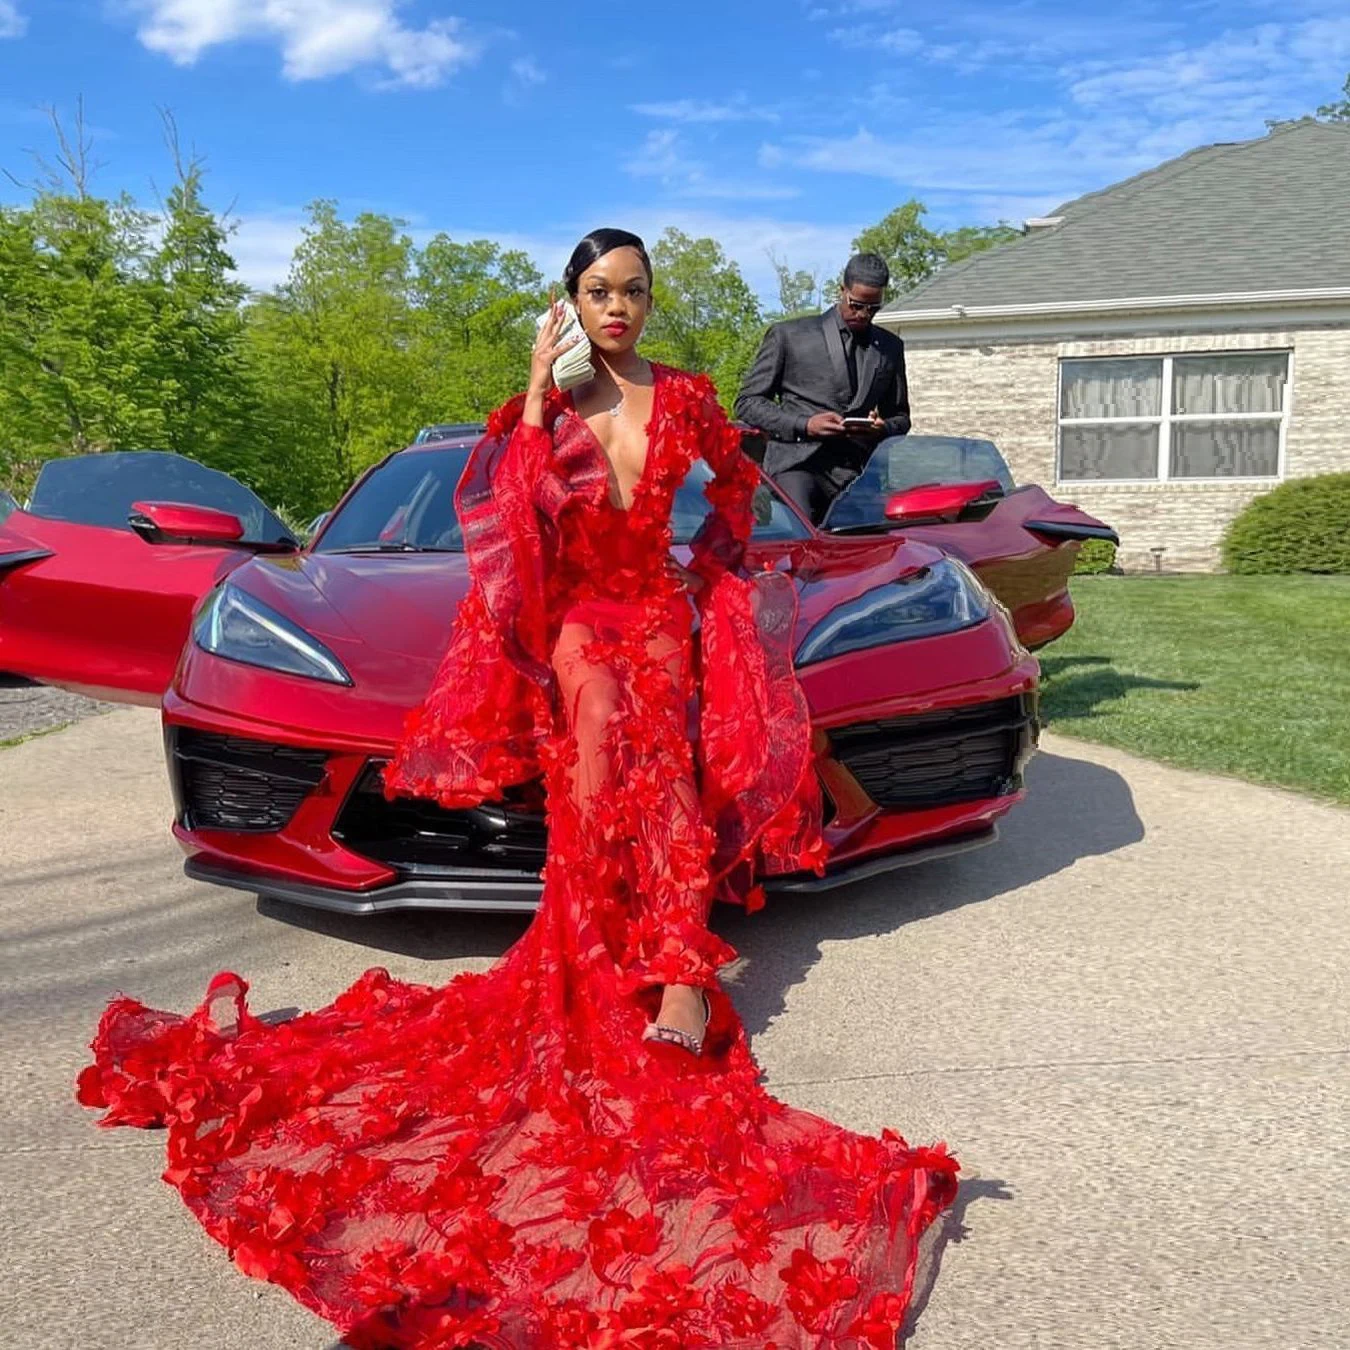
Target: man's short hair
<point>867,269</point>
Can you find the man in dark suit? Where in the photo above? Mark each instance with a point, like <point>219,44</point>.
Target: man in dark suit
<point>811,374</point>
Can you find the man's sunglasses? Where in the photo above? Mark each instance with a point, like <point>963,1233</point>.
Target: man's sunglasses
<point>860,306</point>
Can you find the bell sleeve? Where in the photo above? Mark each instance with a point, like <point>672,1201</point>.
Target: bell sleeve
<point>489,707</point>
<point>756,745</point>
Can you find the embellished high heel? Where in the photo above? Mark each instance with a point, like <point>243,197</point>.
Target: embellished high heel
<point>686,1040</point>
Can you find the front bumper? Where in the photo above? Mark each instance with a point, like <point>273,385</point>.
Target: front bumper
<point>282,814</point>
<point>508,895</point>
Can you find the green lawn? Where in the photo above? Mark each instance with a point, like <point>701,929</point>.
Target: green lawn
<point>1247,676</point>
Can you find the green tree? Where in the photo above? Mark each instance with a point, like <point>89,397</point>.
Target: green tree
<point>914,252</point>
<point>967,240</point>
<point>705,316</point>
<point>476,307</point>
<point>799,291</point>
<point>77,343</point>
<point>1339,110</point>
<point>203,389</point>
<point>329,352</point>
<point>120,328</point>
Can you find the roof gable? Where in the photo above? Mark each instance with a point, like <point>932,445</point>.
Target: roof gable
<point>1262,215</point>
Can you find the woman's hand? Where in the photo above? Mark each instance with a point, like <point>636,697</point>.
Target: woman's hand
<point>547,349</point>
<point>691,581</point>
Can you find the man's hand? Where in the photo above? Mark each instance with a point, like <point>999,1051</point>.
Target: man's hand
<point>824,424</point>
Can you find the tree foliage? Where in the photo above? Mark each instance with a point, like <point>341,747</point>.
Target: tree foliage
<point>914,252</point>
<point>799,292</point>
<point>123,327</point>
<point>705,316</point>
<point>1339,109</point>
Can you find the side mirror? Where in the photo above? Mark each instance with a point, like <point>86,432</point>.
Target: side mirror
<point>944,503</point>
<point>180,523</point>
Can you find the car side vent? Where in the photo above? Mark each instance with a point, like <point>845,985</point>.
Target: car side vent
<point>235,783</point>
<point>940,759</point>
<point>418,837</point>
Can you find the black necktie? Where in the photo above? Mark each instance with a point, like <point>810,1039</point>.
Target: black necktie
<point>851,358</point>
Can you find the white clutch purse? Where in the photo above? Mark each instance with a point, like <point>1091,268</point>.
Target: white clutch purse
<point>574,366</point>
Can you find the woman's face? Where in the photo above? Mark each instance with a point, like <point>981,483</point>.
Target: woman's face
<point>614,298</point>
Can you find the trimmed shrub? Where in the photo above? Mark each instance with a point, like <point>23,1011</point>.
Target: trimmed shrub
<point>1095,556</point>
<point>1300,526</point>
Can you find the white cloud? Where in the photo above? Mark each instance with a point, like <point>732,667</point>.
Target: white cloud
<point>1099,118</point>
<point>692,110</point>
<point>523,75</point>
<point>263,244</point>
<point>892,41</point>
<point>317,38</point>
<point>1241,72</point>
<point>842,8</point>
<point>12,23</point>
<point>525,70</point>
<point>1018,38</point>
<point>662,157</point>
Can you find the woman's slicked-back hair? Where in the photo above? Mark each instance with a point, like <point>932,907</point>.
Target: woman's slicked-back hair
<point>594,247</point>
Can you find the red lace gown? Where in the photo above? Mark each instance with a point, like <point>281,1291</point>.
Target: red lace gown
<point>503,1161</point>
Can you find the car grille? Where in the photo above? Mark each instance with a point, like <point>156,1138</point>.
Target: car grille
<point>234,783</point>
<point>942,758</point>
<point>415,835</point>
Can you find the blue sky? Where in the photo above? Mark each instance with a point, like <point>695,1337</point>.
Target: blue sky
<point>777,126</point>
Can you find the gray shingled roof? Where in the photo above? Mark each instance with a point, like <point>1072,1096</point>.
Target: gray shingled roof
<point>1263,215</point>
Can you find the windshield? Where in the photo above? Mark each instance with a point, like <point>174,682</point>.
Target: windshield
<point>101,489</point>
<point>903,462</point>
<point>7,505</point>
<point>446,431</point>
<point>774,519</point>
<point>408,505</point>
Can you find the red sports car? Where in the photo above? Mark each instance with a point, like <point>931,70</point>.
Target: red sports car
<point>919,599</point>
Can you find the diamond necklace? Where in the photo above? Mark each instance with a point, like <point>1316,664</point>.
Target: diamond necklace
<point>614,411</point>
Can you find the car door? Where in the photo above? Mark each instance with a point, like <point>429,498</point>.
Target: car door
<point>1019,541</point>
<point>88,603</point>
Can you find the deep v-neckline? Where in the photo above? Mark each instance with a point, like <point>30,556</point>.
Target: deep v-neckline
<point>611,475</point>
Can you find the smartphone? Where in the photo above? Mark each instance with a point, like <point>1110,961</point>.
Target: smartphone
<point>859,424</point>
<point>574,366</point>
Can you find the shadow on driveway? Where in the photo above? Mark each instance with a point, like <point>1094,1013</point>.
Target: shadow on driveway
<point>1074,809</point>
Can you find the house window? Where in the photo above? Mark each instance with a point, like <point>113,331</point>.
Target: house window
<point>1216,415</point>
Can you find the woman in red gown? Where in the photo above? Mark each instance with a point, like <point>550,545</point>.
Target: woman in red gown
<point>572,1149</point>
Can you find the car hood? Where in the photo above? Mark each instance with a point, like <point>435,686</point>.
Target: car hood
<point>377,605</point>
<point>828,571</point>
<point>387,617</point>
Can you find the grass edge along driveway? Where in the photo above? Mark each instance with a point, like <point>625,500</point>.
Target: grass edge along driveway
<point>1245,676</point>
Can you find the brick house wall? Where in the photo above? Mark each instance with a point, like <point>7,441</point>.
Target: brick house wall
<point>1006,388</point>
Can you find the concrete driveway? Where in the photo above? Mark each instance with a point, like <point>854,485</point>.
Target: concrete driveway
<point>1129,1019</point>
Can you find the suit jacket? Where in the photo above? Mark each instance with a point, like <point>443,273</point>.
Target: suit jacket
<point>801,370</point>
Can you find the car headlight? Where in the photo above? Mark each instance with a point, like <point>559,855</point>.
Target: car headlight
<point>941,598</point>
<point>239,627</point>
